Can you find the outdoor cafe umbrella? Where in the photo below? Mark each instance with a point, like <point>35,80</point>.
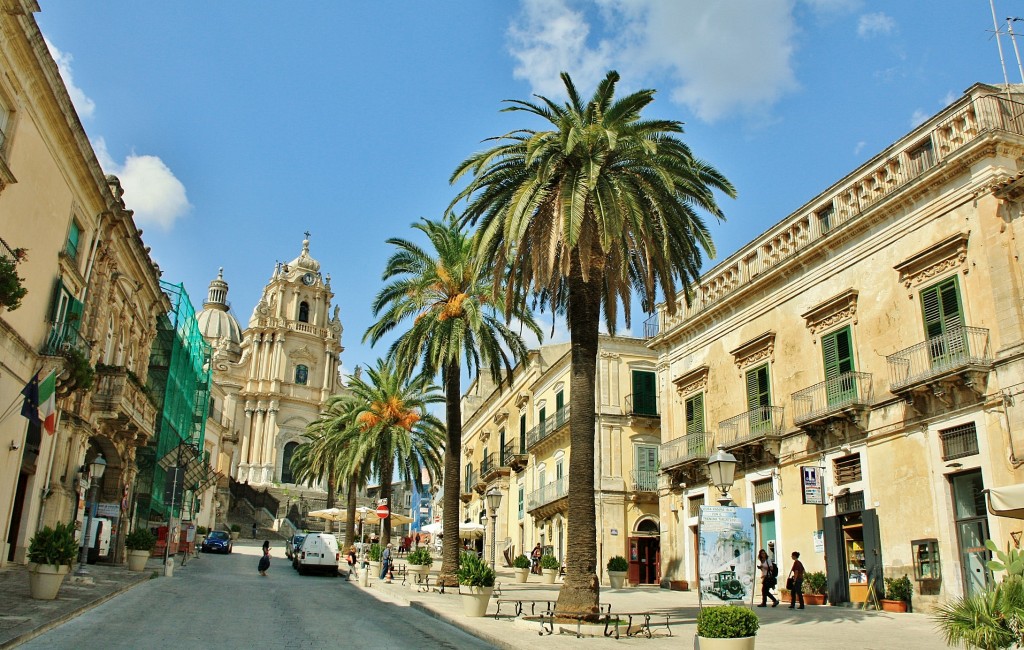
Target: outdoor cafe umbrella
<point>369,516</point>
<point>330,514</point>
<point>467,530</point>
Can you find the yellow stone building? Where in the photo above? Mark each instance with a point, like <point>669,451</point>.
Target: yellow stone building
<point>872,340</point>
<point>516,438</point>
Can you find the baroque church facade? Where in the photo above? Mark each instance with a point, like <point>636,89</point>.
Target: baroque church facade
<point>272,378</point>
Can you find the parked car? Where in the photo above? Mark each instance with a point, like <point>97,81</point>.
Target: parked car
<point>218,541</point>
<point>293,545</point>
<point>319,552</point>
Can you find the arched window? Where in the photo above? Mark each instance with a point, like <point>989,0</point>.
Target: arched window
<point>301,374</point>
<point>286,462</point>
<point>108,350</point>
<point>119,359</point>
<point>303,312</point>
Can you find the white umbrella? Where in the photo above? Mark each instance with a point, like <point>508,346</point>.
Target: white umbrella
<point>470,530</point>
<point>433,529</point>
<point>369,516</point>
<point>330,514</point>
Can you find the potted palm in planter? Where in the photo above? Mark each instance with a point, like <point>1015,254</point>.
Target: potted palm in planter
<point>419,561</point>
<point>236,530</point>
<point>617,569</point>
<point>140,543</point>
<point>897,594</point>
<point>521,567</point>
<point>549,565</point>
<point>50,554</point>
<point>476,582</point>
<point>727,627</point>
<point>376,552</point>
<point>990,619</point>
<point>815,586</point>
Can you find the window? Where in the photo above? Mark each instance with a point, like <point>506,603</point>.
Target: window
<point>66,316</point>
<point>825,215</point>
<point>759,399</point>
<point>522,431</point>
<point>5,123</point>
<point>852,502</point>
<point>958,442</point>
<point>303,312</point>
<point>694,504</point>
<point>847,469</point>
<point>921,157</point>
<point>469,477</point>
<point>940,305</point>
<point>108,348</point>
<point>301,374</point>
<point>695,424</point>
<point>763,491</point>
<point>559,402</point>
<point>645,397</point>
<point>646,459</point>
<point>74,234</point>
<point>837,349</point>
<point>501,447</point>
<point>543,414</point>
<point>286,462</point>
<point>522,501</point>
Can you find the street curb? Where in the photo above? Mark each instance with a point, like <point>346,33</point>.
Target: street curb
<point>489,638</point>
<point>49,625</point>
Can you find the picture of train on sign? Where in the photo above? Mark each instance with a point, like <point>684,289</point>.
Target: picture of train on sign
<point>726,561</point>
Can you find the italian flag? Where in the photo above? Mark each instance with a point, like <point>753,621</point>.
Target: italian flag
<point>48,402</point>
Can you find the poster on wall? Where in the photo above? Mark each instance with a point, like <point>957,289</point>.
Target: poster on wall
<point>726,562</point>
<point>813,488</point>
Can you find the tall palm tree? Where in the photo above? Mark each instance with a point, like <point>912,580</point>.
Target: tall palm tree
<point>446,294</point>
<point>315,461</point>
<point>581,215</point>
<point>394,433</point>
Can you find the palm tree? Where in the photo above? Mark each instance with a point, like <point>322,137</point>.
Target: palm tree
<point>582,215</point>
<point>991,619</point>
<point>454,321</point>
<point>393,432</point>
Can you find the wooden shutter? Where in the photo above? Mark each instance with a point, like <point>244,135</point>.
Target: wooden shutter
<point>757,387</point>
<point>644,393</point>
<point>559,400</point>
<point>940,305</point>
<point>522,433</point>
<point>838,352</point>
<point>695,414</point>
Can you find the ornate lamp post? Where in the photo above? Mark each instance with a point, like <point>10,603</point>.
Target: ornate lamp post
<point>493,497</point>
<point>722,469</point>
<point>96,468</point>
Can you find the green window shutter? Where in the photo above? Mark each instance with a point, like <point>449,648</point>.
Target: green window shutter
<point>646,458</point>
<point>74,317</point>
<point>74,234</point>
<point>644,393</point>
<point>758,393</point>
<point>940,305</point>
<point>58,292</point>
<point>695,414</point>
<point>522,432</point>
<point>559,400</point>
<point>838,352</point>
<point>543,414</point>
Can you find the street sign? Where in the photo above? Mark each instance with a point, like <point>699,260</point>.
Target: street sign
<point>383,512</point>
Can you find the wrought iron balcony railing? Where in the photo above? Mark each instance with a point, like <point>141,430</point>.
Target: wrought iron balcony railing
<point>548,493</point>
<point>956,350</point>
<point>470,481</point>
<point>548,426</point>
<point>643,407</point>
<point>511,450</point>
<point>644,480</point>
<point>832,395</point>
<point>64,336</point>
<point>691,447</point>
<point>757,423</point>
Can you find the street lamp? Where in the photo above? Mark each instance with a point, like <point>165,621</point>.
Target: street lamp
<point>722,468</point>
<point>493,497</point>
<point>96,468</point>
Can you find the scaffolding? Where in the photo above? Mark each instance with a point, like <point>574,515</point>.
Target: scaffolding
<point>179,380</point>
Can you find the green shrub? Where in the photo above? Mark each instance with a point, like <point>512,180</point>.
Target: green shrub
<point>201,530</point>
<point>140,539</point>
<point>549,562</point>
<point>376,552</point>
<point>618,563</point>
<point>726,622</point>
<point>54,546</point>
<point>474,572</point>
<point>815,582</point>
<point>420,557</point>
<point>899,589</point>
<point>521,562</point>
<point>236,528</point>
<point>1012,561</point>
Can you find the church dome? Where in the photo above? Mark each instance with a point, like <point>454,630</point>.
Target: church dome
<point>304,261</point>
<point>215,323</point>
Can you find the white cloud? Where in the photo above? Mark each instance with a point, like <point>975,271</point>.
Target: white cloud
<point>648,37</point>
<point>859,147</point>
<point>876,24</point>
<point>949,98</point>
<point>150,188</point>
<point>85,106</point>
<point>918,118</point>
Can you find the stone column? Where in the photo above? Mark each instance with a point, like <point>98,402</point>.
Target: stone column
<point>254,352</point>
<point>257,443</point>
<point>281,363</point>
<point>247,435</point>
<point>270,443</point>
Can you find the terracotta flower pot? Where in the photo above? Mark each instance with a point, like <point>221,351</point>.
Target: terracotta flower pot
<point>894,606</point>
<point>814,599</point>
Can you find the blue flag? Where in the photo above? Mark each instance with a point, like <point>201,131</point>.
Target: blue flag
<point>30,406</point>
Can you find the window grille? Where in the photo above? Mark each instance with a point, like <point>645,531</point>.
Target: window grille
<point>847,469</point>
<point>695,504</point>
<point>960,441</point>
<point>847,503</point>
<point>763,491</point>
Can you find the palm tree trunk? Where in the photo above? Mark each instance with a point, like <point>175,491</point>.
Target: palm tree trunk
<point>350,518</point>
<point>330,493</point>
<point>452,476</point>
<point>387,469</point>
<point>581,590</point>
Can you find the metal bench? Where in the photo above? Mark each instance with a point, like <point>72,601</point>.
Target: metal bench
<point>547,621</point>
<point>643,623</point>
<point>518,603</point>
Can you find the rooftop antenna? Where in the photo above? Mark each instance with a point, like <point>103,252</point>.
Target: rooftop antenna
<point>1013,39</point>
<point>999,44</point>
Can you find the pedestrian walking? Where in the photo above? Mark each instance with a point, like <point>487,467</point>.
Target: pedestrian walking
<point>385,564</point>
<point>769,577</point>
<point>350,557</point>
<point>795,582</point>
<point>254,530</point>
<point>535,558</point>
<point>265,560</point>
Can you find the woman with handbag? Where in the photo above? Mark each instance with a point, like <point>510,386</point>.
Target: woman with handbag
<point>795,582</point>
<point>767,579</point>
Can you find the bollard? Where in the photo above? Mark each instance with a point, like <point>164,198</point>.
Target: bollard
<point>364,577</point>
<point>169,568</point>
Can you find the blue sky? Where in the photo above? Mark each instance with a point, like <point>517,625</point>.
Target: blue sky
<point>237,125</point>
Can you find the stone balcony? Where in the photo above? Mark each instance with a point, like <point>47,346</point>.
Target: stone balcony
<point>548,427</point>
<point>121,404</point>
<point>845,398</point>
<point>549,499</point>
<point>685,458</point>
<point>752,434</point>
<point>943,371</point>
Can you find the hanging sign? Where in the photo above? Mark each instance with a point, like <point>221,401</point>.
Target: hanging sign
<point>812,483</point>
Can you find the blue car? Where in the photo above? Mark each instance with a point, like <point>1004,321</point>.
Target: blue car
<point>218,541</point>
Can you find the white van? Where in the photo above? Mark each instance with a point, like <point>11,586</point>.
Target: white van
<point>319,552</point>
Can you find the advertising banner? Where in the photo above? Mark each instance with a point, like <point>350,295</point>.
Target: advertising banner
<point>813,488</point>
<point>727,559</point>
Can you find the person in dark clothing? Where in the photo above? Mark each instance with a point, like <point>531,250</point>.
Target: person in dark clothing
<point>265,560</point>
<point>767,579</point>
<point>795,582</point>
<point>254,530</point>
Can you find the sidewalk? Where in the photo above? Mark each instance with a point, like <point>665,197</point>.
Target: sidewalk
<point>837,628</point>
<point>22,618</point>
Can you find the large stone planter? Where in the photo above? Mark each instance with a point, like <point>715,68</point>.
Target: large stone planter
<point>418,574</point>
<point>374,569</point>
<point>235,534</point>
<point>137,560</point>
<point>549,576</point>
<point>617,579</point>
<point>44,580</point>
<point>742,643</point>
<point>475,599</point>
<point>522,575</point>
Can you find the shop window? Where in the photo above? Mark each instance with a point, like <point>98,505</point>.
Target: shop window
<point>960,441</point>
<point>846,469</point>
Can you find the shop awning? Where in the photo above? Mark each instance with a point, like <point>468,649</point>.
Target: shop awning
<point>1007,501</point>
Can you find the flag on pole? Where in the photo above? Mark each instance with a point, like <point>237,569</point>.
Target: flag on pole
<point>30,405</point>
<point>48,402</point>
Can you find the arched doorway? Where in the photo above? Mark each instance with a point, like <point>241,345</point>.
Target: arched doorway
<point>645,552</point>
<point>286,462</point>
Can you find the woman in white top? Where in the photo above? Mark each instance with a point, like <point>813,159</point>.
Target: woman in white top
<point>767,579</point>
